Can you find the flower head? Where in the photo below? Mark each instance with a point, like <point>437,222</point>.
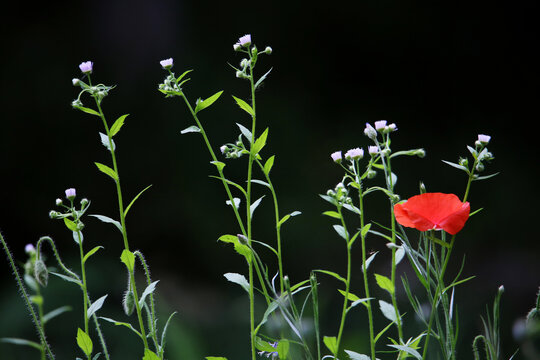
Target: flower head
<point>380,125</point>
<point>484,139</point>
<point>167,63</point>
<point>336,156</point>
<point>354,154</point>
<point>29,249</point>
<point>433,211</point>
<point>373,150</point>
<point>86,67</point>
<point>71,193</point>
<point>245,40</point>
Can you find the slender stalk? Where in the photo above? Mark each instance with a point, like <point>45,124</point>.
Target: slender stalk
<point>122,217</point>
<point>37,322</point>
<point>347,284</point>
<point>84,288</point>
<point>364,267</point>
<point>40,314</point>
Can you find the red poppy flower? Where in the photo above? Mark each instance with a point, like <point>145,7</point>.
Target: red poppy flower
<point>433,211</point>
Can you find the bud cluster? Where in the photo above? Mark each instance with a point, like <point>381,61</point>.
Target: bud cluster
<point>234,151</point>
<point>340,194</point>
<point>169,86</point>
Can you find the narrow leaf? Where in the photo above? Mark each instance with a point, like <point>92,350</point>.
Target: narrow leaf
<point>254,205</point>
<point>369,260</point>
<point>408,350</point>
<point>457,166</point>
<point>150,355</point>
<point>268,165</point>
<point>341,231</point>
<point>385,283</point>
<point>149,290</point>
<point>333,214</point>
<point>215,358</point>
<point>117,125</point>
<point>70,224</point>
<point>245,131</point>
<point>107,170</point>
<point>220,165</point>
<point>262,78</point>
<point>66,278</point>
<point>17,341</point>
<point>350,296</point>
<point>190,129</point>
<point>134,199</point>
<point>84,342</point>
<point>105,141</point>
<point>260,142</point>
<point>119,323</point>
<point>388,310</point>
<point>238,279</point>
<point>54,313</point>
<point>206,103</point>
<point>128,258</point>
<point>91,252</point>
<point>87,110</point>
<point>356,356</point>
<point>244,106</point>
<point>164,333</point>
<point>96,305</point>
<point>331,343</point>
<point>331,273</point>
<point>107,219</point>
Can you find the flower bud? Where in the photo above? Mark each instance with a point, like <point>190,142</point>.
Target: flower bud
<point>479,167</point>
<point>75,81</point>
<point>268,50</point>
<point>371,174</point>
<point>41,273</point>
<point>53,214</point>
<point>463,162</point>
<point>373,150</point>
<point>245,40</point>
<point>76,103</point>
<point>236,47</point>
<point>84,201</point>
<point>336,156</point>
<point>483,139</point>
<point>29,249</point>
<point>243,240</point>
<point>370,132</point>
<point>58,202</point>
<point>380,125</point>
<point>354,154</point>
<point>71,194</point>
<point>421,153</point>
<point>223,149</point>
<point>128,302</point>
<point>422,188</point>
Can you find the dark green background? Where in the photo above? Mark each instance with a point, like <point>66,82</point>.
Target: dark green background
<point>443,72</point>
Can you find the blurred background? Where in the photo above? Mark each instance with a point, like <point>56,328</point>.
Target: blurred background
<point>442,71</point>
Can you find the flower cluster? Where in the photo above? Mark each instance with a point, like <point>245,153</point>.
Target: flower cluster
<point>340,194</point>
<point>99,91</point>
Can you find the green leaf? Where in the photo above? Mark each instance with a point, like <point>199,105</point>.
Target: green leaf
<point>365,230</point>
<point>70,224</point>
<point>260,142</point>
<point>66,278</point>
<point>478,178</point>
<point>24,342</point>
<point>385,283</point>
<point>107,219</point>
<point>286,217</point>
<point>87,110</point>
<point>119,323</point>
<point>388,310</point>
<point>333,214</point>
<point>164,333</point>
<point>150,355</point>
<point>96,305</point>
<point>84,342</point>
<point>341,231</point>
<point>369,260</point>
<point>262,345</point>
<point>117,125</point>
<point>96,357</point>
<point>269,310</point>
<point>107,170</point>
<point>238,279</point>
<point>240,248</point>
<point>262,78</point>
<point>149,290</point>
<point>408,350</point>
<point>215,358</point>
<point>244,131</point>
<point>457,166</point>
<point>190,129</point>
<point>218,164</point>
<point>244,106</point>
<point>350,296</point>
<point>183,75</point>
<point>331,273</point>
<point>54,313</point>
<point>268,165</point>
<point>253,206</point>
<point>283,348</point>
<point>201,105</point>
<point>260,182</point>
<point>331,343</point>
<point>91,252</point>
<point>134,199</point>
<point>128,258</point>
<point>36,299</point>
<point>105,141</point>
<point>356,356</point>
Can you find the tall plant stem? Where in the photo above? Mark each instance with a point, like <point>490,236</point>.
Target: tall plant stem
<point>347,286</point>
<point>84,288</point>
<point>440,282</point>
<point>37,322</point>
<point>122,219</point>
<point>40,314</point>
<point>364,267</point>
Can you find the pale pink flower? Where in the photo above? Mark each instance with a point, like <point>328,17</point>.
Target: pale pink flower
<point>373,150</point>
<point>380,125</point>
<point>86,67</point>
<point>336,156</point>
<point>167,63</point>
<point>484,139</point>
<point>71,193</point>
<point>354,154</point>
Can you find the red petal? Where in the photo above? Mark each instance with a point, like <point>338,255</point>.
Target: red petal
<point>455,221</point>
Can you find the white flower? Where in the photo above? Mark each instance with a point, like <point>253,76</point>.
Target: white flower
<point>86,67</point>
<point>380,125</point>
<point>71,193</point>
<point>354,154</point>
<point>29,248</point>
<point>223,149</point>
<point>336,156</point>
<point>484,139</point>
<point>167,63</point>
<point>392,127</point>
<point>373,150</point>
<point>58,202</point>
<point>245,40</point>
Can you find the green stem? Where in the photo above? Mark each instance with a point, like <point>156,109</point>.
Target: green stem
<point>347,285</point>
<point>84,288</point>
<point>40,313</point>
<point>364,268</point>
<point>37,322</point>
<point>122,217</point>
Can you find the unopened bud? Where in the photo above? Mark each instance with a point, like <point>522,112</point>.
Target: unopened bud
<point>53,214</point>
<point>243,239</point>
<point>371,174</point>
<point>75,81</point>
<point>479,167</point>
<point>370,132</point>
<point>268,50</point>
<point>422,188</point>
<point>421,153</point>
<point>58,202</point>
<point>128,302</point>
<point>41,273</point>
<point>84,201</point>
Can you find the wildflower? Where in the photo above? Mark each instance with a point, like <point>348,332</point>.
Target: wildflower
<point>268,50</point>
<point>433,211</point>
<point>70,194</point>
<point>380,125</point>
<point>75,81</point>
<point>373,150</point>
<point>29,249</point>
<point>86,67</point>
<point>167,63</point>
<point>268,354</point>
<point>390,128</point>
<point>58,202</point>
<point>245,40</point>
<point>354,154</point>
<point>484,139</point>
<point>223,149</point>
<point>336,156</point>
<point>370,132</point>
